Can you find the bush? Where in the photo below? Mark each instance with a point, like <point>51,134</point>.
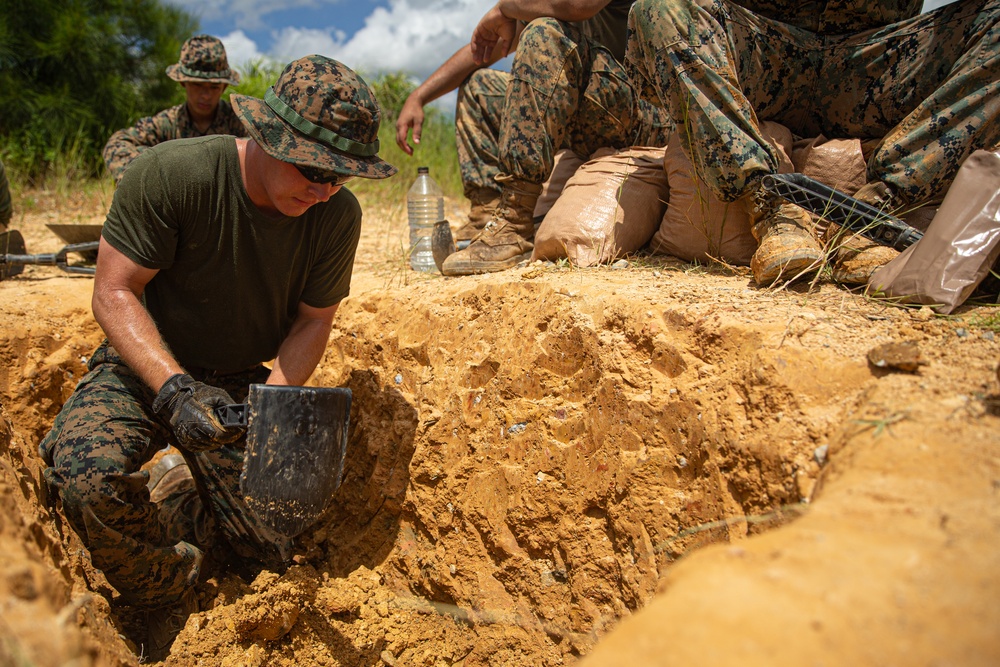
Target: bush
<point>73,71</point>
<point>436,150</point>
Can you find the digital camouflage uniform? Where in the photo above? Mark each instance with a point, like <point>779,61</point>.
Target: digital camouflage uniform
<point>923,87</point>
<point>6,208</point>
<point>173,123</point>
<point>203,60</point>
<point>565,89</point>
<point>99,442</point>
<point>171,214</point>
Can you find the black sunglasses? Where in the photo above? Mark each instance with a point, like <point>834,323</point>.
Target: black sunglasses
<point>322,176</point>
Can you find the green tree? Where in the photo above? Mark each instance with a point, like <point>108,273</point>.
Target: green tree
<point>74,71</point>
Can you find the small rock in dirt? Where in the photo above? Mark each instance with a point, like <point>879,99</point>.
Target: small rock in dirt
<point>398,378</point>
<point>923,314</point>
<point>819,454</point>
<point>988,335</point>
<point>896,356</point>
<point>388,658</point>
<point>277,623</point>
<point>620,264</point>
<point>961,333</point>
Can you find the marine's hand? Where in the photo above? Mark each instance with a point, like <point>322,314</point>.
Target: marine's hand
<point>189,407</point>
<point>495,31</point>
<point>410,116</point>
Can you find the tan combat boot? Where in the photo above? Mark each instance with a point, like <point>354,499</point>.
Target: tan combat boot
<point>484,202</point>
<point>855,257</point>
<point>506,239</point>
<point>787,248</point>
<point>167,476</point>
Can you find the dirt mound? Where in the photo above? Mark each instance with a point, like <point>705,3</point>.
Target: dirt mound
<point>537,455</point>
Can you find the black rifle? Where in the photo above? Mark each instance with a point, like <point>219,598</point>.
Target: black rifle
<point>841,209</point>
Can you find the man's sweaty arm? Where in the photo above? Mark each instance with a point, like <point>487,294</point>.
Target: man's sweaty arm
<point>118,286</point>
<point>304,345</point>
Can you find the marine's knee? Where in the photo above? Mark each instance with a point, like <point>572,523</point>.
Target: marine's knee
<point>667,21</point>
<point>106,491</point>
<point>77,488</point>
<point>474,85</point>
<point>545,26</point>
<point>547,38</point>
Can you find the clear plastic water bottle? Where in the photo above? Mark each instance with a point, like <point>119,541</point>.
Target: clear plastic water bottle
<point>424,207</point>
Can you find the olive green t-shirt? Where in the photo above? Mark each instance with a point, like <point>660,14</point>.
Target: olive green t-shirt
<point>609,27</point>
<point>230,278</point>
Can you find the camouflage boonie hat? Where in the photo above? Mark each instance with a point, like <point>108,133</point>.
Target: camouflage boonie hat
<point>318,114</point>
<point>203,60</point>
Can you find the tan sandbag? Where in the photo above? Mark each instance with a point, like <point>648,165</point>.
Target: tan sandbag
<point>838,163</point>
<point>610,207</point>
<point>566,164</point>
<point>697,225</point>
<point>780,137</point>
<point>959,247</point>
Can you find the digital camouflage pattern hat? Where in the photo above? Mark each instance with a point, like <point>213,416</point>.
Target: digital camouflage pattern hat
<point>203,60</point>
<point>318,114</point>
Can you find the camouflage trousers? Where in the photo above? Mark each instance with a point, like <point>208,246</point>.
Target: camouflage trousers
<point>563,91</point>
<point>151,553</point>
<point>926,91</point>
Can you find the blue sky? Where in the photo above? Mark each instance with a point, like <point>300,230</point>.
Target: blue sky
<point>413,36</point>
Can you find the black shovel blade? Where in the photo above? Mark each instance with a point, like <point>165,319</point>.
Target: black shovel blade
<point>296,444</point>
<point>11,243</point>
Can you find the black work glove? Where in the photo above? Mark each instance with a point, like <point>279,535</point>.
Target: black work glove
<point>189,406</point>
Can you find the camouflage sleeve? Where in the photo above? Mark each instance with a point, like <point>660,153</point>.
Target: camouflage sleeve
<point>125,145</point>
<point>6,209</point>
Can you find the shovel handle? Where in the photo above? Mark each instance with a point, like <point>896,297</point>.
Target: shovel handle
<point>232,415</point>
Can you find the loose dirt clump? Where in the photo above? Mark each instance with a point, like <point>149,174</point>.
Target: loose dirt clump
<point>537,455</point>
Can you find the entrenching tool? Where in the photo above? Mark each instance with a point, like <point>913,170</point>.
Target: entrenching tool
<point>14,258</point>
<point>442,242</point>
<point>842,209</point>
<point>296,445</point>
<point>78,232</point>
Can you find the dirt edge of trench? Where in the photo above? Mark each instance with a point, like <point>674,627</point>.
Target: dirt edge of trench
<point>533,461</point>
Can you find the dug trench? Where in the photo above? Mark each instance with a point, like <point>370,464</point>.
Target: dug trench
<point>537,456</point>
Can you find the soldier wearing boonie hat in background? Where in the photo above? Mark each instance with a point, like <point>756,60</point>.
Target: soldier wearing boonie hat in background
<point>218,254</point>
<point>204,73</point>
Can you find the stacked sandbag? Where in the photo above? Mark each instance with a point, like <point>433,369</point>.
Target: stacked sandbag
<point>566,164</point>
<point>697,225</point>
<point>609,208</point>
<point>838,163</point>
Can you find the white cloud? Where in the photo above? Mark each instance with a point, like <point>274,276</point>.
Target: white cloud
<point>409,35</point>
<point>412,35</point>
<point>240,49</point>
<point>934,4</point>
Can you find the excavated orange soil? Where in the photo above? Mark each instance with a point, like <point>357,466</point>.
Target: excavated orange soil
<point>647,465</point>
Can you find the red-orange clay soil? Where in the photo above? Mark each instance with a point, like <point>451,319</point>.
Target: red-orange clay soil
<point>649,465</point>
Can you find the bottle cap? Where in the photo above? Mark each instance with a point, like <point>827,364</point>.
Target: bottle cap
<point>423,170</point>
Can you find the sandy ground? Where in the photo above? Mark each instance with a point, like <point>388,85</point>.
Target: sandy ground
<point>648,465</point>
